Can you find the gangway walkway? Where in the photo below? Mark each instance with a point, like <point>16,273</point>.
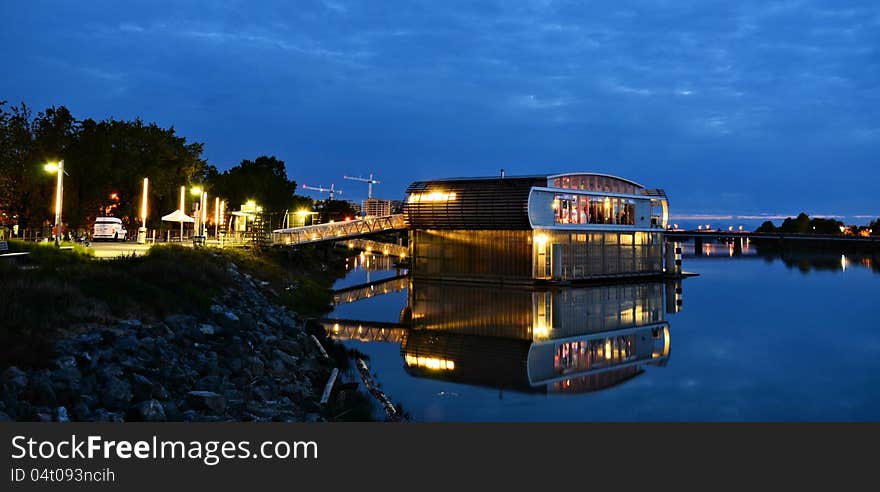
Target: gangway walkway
<point>338,231</point>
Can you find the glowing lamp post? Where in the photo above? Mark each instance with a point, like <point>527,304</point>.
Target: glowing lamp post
<point>216,216</point>
<point>302,214</point>
<point>202,210</point>
<point>58,168</point>
<point>142,230</point>
<point>182,208</point>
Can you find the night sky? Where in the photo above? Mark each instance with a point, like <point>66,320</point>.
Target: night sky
<point>734,107</point>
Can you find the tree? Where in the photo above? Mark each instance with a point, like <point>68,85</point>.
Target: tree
<point>825,226</point>
<point>263,180</point>
<point>875,227</point>
<point>336,210</point>
<point>767,226</point>
<point>102,158</point>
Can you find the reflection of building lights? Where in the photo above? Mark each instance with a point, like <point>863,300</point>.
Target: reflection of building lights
<point>540,331</point>
<point>607,349</point>
<point>432,363</point>
<point>843,262</point>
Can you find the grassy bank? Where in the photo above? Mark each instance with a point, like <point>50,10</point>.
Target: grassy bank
<point>53,292</point>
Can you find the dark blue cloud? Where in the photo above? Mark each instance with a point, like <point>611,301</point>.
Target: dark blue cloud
<point>741,107</point>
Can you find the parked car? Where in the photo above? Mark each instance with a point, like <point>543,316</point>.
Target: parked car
<point>109,228</point>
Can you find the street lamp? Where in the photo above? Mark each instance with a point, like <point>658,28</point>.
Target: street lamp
<point>58,168</point>
<point>182,209</point>
<point>142,230</point>
<point>202,210</point>
<point>302,214</point>
<point>216,215</point>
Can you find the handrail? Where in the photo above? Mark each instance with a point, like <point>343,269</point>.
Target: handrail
<point>336,231</point>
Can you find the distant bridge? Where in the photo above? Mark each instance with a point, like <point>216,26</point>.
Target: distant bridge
<point>738,238</point>
<point>338,231</point>
<point>702,235</point>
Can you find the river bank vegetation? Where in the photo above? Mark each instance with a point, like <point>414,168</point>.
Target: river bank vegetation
<point>804,224</point>
<point>177,334</point>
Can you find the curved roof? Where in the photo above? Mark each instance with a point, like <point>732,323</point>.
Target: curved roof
<point>596,174</point>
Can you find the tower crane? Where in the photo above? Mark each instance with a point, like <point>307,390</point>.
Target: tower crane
<point>332,190</point>
<point>370,182</point>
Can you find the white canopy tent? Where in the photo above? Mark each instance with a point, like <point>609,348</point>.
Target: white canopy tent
<point>178,216</point>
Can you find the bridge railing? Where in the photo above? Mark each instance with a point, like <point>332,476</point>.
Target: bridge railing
<point>337,231</point>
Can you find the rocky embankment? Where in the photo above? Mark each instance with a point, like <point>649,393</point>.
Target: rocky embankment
<point>247,359</point>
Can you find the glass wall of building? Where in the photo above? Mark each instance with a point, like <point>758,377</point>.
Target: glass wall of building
<point>586,209</point>
<point>593,182</point>
<point>596,254</point>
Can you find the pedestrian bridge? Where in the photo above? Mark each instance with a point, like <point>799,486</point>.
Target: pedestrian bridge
<point>338,231</point>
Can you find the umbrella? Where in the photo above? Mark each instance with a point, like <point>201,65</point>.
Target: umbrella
<point>178,216</point>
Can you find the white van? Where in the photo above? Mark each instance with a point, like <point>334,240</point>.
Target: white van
<point>109,228</point>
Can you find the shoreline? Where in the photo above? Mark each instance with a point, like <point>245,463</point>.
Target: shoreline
<point>241,354</point>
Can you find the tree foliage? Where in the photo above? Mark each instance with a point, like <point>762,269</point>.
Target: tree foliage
<point>336,210</point>
<point>263,180</point>
<point>803,224</point>
<point>101,158</point>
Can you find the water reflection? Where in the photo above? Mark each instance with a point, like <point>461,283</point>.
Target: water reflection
<point>803,259</point>
<point>562,340</point>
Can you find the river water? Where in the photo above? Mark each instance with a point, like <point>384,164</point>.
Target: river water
<point>755,338</point>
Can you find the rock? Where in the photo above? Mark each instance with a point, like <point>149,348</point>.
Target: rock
<point>65,362</point>
<point>67,375</point>
<point>91,339</point>
<point>210,383</point>
<point>179,322</point>
<point>81,411</point>
<point>143,388</point>
<point>116,393</point>
<point>15,377</point>
<point>226,318</point>
<point>290,346</point>
<point>207,400</point>
<point>89,400</point>
<point>172,413</point>
<point>61,415</point>
<point>255,366</point>
<point>286,358</point>
<point>44,392</point>
<point>150,411</point>
<point>126,343</point>
<point>132,323</point>
<point>102,415</point>
<point>207,329</point>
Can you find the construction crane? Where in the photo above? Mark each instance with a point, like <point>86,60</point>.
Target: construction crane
<point>370,182</point>
<point>332,190</point>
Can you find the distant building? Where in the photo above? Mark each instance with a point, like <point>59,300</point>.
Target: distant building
<point>375,207</point>
<point>559,227</point>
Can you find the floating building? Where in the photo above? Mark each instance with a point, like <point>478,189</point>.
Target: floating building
<point>563,227</point>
